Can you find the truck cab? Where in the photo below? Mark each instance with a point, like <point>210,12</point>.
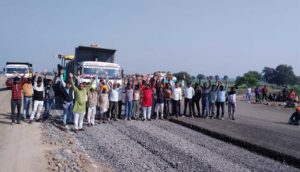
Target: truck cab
<point>13,68</point>
<point>110,71</point>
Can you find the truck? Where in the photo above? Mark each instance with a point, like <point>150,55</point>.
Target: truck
<point>90,59</point>
<point>12,68</point>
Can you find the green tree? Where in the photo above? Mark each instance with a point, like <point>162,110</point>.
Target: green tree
<point>250,78</point>
<point>182,75</point>
<point>193,78</point>
<point>253,74</point>
<point>269,74</point>
<point>281,75</point>
<point>285,75</point>
<point>200,77</point>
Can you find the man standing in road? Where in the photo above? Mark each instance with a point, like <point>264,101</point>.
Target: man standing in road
<point>49,99</point>
<point>27,93</point>
<point>205,90</point>
<point>189,92</point>
<point>79,108</point>
<point>113,101</point>
<point>38,98</point>
<point>16,99</point>
<point>221,98</point>
<point>176,94</point>
<point>128,101</point>
<point>67,96</point>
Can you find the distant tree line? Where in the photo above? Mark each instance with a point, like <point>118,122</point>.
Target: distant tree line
<point>281,75</point>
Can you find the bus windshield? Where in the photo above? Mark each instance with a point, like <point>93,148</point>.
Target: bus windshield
<point>112,73</point>
<point>18,70</point>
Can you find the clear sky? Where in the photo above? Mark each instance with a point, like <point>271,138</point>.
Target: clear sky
<point>199,36</point>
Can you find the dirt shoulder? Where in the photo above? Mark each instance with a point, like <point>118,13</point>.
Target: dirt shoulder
<point>21,147</point>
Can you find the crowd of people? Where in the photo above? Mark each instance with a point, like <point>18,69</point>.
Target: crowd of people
<point>264,95</point>
<point>145,98</point>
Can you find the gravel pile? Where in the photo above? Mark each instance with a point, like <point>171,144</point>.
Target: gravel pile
<point>67,154</point>
<point>164,146</point>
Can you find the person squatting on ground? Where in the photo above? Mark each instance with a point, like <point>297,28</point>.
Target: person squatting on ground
<point>79,108</point>
<point>38,98</point>
<point>16,99</point>
<point>221,98</point>
<point>27,99</point>
<point>231,103</point>
<point>295,118</point>
<point>189,92</point>
<point>291,98</point>
<point>205,98</point>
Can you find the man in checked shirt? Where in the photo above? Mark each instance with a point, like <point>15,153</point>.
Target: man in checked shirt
<point>16,99</point>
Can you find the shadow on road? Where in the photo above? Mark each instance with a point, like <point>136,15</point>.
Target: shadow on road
<point>5,115</point>
<point>5,119</point>
<point>4,89</point>
<point>285,123</point>
<point>5,122</point>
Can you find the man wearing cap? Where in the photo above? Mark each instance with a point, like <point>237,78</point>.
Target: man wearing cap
<point>103,102</point>
<point>16,99</point>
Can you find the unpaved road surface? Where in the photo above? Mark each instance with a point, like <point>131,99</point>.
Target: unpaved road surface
<point>21,147</point>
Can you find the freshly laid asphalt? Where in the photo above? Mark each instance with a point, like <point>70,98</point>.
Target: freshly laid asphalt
<point>259,128</point>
